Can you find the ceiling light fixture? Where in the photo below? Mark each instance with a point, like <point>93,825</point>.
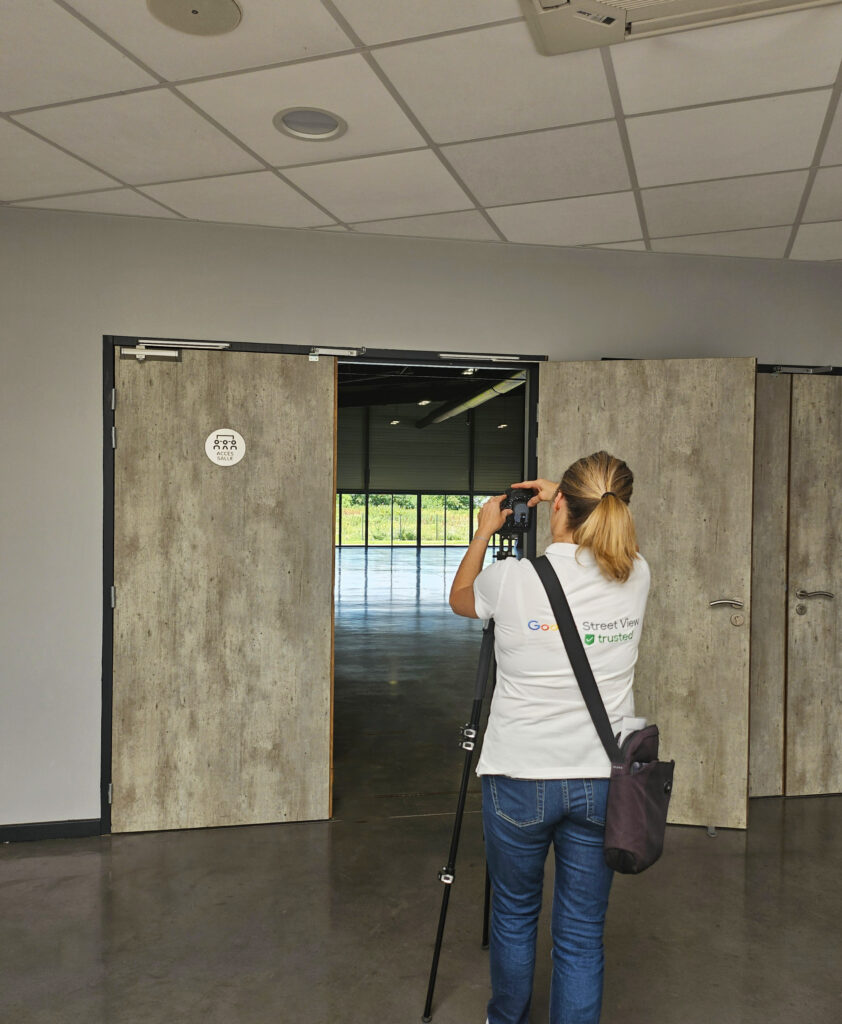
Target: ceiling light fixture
<point>424,401</point>
<point>502,426</point>
<point>310,123</point>
<point>469,371</point>
<point>197,17</point>
<point>393,423</point>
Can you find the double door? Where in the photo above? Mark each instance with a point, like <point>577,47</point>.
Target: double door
<point>222,663</point>
<point>737,498</point>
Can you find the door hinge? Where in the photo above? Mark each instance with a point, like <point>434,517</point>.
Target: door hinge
<point>110,791</point>
<point>317,351</point>
<point>113,437</point>
<point>113,597</point>
<point>113,399</point>
<point>802,369</point>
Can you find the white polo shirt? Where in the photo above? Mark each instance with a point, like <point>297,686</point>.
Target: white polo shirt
<point>539,726</point>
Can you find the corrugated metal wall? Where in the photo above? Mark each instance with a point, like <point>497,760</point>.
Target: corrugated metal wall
<point>436,458</point>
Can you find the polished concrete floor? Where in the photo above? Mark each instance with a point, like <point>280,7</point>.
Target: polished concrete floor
<point>405,674</point>
<point>334,921</point>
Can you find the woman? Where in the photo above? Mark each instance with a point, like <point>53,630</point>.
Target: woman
<point>544,771</point>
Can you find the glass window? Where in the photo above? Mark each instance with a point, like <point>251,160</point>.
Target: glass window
<point>432,520</point>
<point>393,519</point>
<point>353,519</point>
<point>458,513</point>
<point>380,519</point>
<point>405,519</point>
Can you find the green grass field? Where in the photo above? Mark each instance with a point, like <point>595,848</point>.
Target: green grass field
<point>399,526</point>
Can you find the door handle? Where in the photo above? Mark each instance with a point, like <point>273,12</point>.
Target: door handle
<point>803,594</point>
<point>727,600</point>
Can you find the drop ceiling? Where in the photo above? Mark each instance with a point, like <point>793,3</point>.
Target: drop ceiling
<point>724,140</point>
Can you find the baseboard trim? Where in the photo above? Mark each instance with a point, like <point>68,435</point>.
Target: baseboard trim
<point>36,830</point>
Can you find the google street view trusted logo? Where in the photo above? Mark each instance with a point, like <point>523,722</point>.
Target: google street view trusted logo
<point>592,638</point>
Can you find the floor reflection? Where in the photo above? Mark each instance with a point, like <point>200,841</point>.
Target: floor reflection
<point>405,669</point>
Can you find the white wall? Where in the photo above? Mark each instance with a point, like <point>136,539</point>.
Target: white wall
<point>67,279</point>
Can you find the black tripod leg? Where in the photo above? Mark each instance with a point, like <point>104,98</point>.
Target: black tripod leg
<point>468,742</point>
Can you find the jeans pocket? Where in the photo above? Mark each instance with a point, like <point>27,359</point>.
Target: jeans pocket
<point>596,792</point>
<point>518,801</point>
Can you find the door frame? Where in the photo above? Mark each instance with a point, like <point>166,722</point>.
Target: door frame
<point>401,357</point>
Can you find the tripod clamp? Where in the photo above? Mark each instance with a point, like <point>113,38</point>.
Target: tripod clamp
<point>446,875</point>
<point>469,735</point>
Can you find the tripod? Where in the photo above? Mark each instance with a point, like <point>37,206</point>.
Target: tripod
<point>468,734</point>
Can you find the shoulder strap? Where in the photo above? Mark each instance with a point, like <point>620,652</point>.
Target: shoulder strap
<point>578,656</point>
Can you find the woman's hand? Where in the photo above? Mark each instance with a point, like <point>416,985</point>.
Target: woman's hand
<point>546,490</point>
<point>492,517</point>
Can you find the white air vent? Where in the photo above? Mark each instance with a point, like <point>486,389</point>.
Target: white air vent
<point>560,26</point>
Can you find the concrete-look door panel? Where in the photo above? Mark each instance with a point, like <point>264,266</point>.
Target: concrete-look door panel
<point>814,662</point>
<point>768,586</point>
<point>222,672</point>
<point>686,429</point>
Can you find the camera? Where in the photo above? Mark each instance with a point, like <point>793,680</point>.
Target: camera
<point>521,518</point>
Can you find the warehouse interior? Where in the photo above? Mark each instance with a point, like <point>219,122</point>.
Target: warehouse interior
<point>426,445</point>
<point>658,203</point>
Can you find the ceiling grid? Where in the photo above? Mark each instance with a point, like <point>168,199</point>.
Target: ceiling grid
<point>375,67</point>
<point>724,140</point>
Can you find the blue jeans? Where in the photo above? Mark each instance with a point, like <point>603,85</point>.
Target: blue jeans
<point>521,817</point>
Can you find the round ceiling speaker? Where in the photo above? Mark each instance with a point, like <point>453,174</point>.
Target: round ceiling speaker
<point>310,123</point>
<point>197,17</point>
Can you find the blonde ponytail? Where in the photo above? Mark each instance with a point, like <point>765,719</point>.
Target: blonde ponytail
<point>597,490</point>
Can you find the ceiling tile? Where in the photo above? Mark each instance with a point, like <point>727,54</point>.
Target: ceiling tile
<point>493,81</point>
<point>571,221</point>
<point>798,50</point>
<point>543,165</point>
<point>825,202</point>
<point>270,32</point>
<point>636,246</point>
<point>255,198</point>
<point>379,21</point>
<point>346,86</point>
<point>49,56</point>
<point>121,200</point>
<point>832,153</point>
<point>748,137</point>
<point>395,185</point>
<point>764,242</point>
<point>143,137</point>
<point>469,224</point>
<point>818,242</point>
<point>729,204</point>
<point>30,167</point>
